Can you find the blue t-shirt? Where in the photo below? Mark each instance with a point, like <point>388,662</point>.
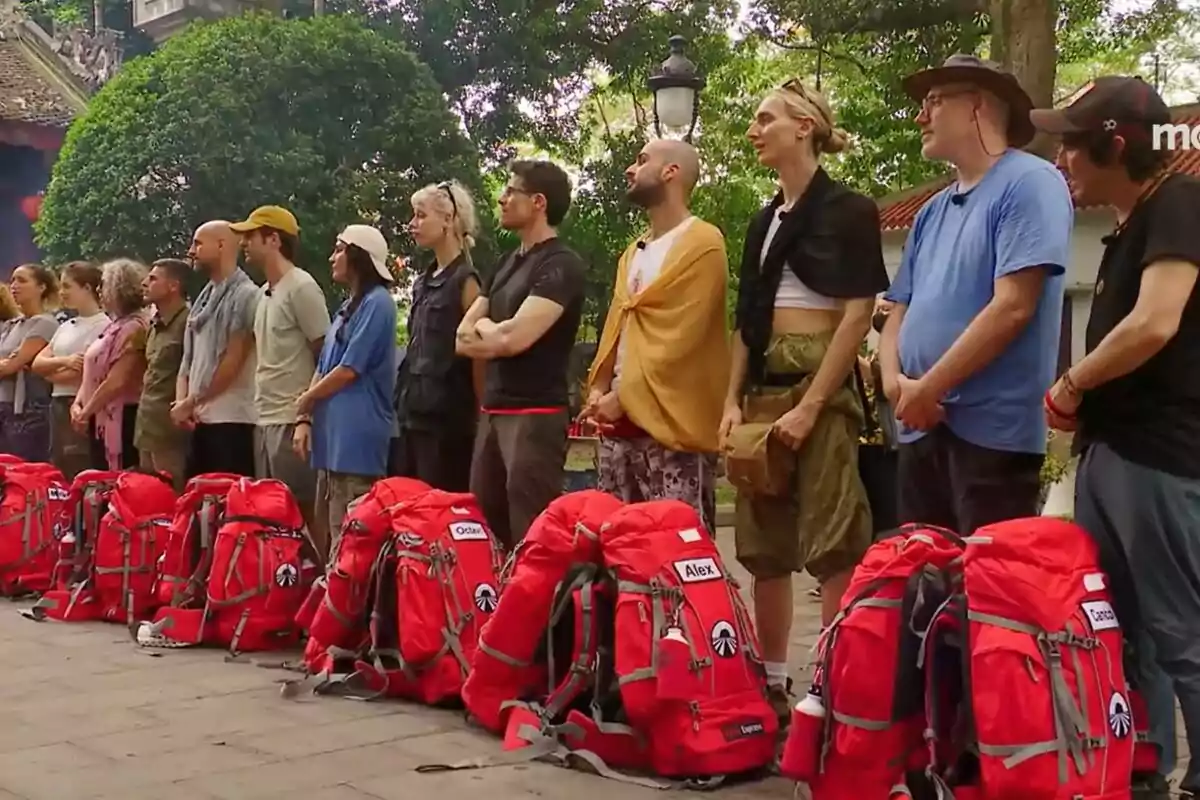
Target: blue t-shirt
<point>1020,215</point>
<point>353,428</point>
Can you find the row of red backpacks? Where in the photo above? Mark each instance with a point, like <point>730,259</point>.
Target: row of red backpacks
<point>223,564</point>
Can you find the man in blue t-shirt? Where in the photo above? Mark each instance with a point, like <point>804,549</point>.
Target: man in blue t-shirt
<point>972,344</point>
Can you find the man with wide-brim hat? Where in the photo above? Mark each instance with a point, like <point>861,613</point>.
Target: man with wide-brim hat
<point>971,344</point>
<point>1133,400</point>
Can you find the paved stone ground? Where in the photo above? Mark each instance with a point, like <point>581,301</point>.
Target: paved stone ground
<point>89,715</point>
<point>86,714</point>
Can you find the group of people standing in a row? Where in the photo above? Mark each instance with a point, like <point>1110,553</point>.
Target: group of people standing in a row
<point>260,380</point>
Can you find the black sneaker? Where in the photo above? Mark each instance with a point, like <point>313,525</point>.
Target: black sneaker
<point>1153,787</point>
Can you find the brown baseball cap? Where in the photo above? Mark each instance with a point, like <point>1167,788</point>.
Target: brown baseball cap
<point>988,75</point>
<point>1106,103</point>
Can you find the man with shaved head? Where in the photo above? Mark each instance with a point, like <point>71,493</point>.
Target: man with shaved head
<point>214,394</point>
<point>657,386</point>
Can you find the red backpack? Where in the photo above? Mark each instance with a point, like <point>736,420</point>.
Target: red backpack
<point>650,662</point>
<point>181,581</point>
<point>510,664</point>
<point>183,571</point>
<point>868,672</point>
<point>436,586</point>
<point>129,543</point>
<point>1026,696</point>
<point>686,655</point>
<point>336,614</point>
<point>32,509</point>
<point>259,577</point>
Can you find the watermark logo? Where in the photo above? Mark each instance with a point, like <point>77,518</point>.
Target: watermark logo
<point>1175,136</point>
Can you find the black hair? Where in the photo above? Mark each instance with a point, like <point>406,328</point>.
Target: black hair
<point>548,179</point>
<point>359,262</point>
<point>1139,158</point>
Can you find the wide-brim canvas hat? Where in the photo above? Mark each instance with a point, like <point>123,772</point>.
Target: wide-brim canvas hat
<point>987,75</point>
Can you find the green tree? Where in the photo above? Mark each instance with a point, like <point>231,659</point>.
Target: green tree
<point>324,116</point>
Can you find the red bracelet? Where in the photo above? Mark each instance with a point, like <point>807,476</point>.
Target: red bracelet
<point>1055,410</point>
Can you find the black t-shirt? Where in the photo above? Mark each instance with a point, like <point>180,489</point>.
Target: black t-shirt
<point>1150,416</point>
<point>536,378</point>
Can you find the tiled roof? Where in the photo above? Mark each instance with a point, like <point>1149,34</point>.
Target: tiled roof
<point>26,94</point>
<point>896,213</point>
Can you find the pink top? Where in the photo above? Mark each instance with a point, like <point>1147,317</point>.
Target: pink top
<point>98,361</point>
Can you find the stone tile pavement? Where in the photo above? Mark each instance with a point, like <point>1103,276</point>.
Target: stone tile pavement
<point>88,715</point>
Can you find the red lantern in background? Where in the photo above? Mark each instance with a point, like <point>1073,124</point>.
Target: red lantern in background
<point>31,207</point>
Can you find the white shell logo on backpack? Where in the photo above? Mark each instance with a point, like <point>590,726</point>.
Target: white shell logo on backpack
<point>485,598</point>
<point>287,575</point>
<point>724,639</point>
<point>1119,718</point>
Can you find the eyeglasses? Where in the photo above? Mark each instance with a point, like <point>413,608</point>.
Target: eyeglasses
<point>445,186</point>
<point>932,101</point>
<point>510,190</point>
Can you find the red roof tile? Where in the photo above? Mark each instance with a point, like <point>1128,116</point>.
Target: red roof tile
<point>896,213</point>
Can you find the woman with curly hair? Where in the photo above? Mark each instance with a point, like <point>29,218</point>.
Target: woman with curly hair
<point>113,366</point>
<point>25,397</point>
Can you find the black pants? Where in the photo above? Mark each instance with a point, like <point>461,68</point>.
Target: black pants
<point>517,469</point>
<point>443,460</point>
<point>222,447</point>
<point>129,453</point>
<point>952,483</point>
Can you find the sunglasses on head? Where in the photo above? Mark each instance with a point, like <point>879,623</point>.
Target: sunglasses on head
<point>446,187</point>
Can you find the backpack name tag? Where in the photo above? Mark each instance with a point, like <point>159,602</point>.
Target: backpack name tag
<point>1101,615</point>
<point>467,531</point>
<point>696,570</point>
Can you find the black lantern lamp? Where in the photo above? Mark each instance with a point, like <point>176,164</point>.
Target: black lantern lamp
<point>676,90</point>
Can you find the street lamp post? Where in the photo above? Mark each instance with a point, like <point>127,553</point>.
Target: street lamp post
<point>676,88</point>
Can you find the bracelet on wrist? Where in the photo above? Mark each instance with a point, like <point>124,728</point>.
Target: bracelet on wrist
<point>1069,384</point>
<point>307,422</point>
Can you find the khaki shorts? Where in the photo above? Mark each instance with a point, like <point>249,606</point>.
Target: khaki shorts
<point>335,492</point>
<point>824,524</point>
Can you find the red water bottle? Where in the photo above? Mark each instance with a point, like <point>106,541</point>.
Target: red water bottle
<point>802,750</point>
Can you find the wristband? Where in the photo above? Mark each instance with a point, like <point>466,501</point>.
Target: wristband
<point>1069,384</point>
<point>1055,410</point>
<point>307,422</point>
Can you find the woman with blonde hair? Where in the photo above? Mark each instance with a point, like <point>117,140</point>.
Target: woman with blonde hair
<point>62,364</point>
<point>811,268</point>
<point>113,367</point>
<point>24,396</point>
<point>438,390</point>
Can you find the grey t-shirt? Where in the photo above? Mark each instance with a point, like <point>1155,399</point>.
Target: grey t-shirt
<point>12,335</point>
<point>203,348</point>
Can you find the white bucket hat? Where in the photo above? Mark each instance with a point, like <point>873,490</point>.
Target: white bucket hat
<point>372,241</point>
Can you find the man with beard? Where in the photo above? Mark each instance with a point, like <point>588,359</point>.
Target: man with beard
<point>656,388</point>
<point>289,329</point>
<point>215,391</point>
<point>1134,399</point>
<point>523,325</point>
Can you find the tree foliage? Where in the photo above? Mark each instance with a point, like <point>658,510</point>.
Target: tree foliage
<point>335,121</point>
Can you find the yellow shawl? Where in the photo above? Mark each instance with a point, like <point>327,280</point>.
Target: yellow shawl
<point>675,367</point>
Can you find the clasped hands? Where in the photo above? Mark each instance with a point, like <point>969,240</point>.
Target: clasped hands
<point>915,403</point>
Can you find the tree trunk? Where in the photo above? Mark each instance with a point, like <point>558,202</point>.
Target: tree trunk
<point>97,16</point>
<point>318,8</point>
<point>1023,41</point>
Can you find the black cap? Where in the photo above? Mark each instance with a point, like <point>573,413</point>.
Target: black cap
<point>1106,104</point>
<point>963,68</point>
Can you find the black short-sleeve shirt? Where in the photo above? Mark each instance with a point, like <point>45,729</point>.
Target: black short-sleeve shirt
<point>536,378</point>
<point>1150,416</point>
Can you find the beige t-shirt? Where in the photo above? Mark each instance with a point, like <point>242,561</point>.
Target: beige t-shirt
<point>291,315</point>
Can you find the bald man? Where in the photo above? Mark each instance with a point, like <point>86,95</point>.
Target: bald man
<point>656,388</point>
<point>214,394</point>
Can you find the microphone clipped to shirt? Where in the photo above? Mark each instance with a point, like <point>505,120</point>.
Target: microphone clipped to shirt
<point>958,199</point>
<point>641,245</point>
